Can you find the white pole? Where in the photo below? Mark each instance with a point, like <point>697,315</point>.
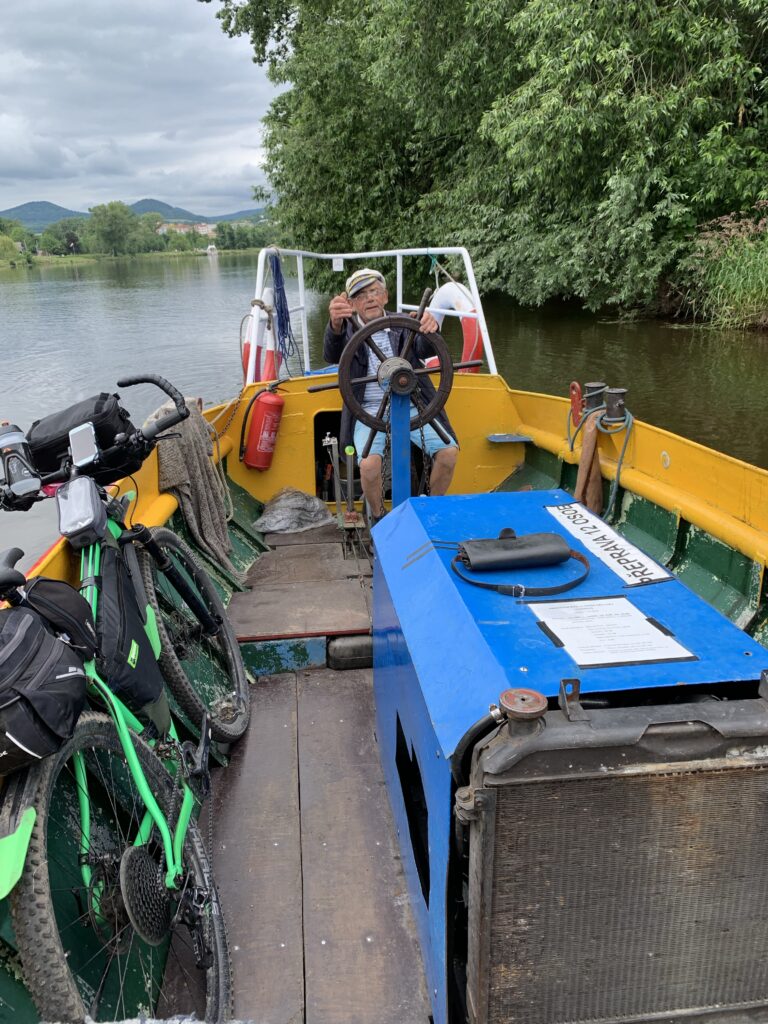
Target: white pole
<point>303,307</point>
<point>480,314</point>
<point>251,374</point>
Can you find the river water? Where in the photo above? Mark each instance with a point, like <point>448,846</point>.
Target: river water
<point>67,332</point>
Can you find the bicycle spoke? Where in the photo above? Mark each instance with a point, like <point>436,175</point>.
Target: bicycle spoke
<point>191,987</point>
<point>94,1008</point>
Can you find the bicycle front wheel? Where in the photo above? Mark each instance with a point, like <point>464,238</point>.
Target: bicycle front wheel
<point>204,673</point>
<point>95,939</point>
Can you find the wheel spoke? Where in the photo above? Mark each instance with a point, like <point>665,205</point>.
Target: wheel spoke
<point>375,349</point>
<point>379,415</point>
<point>435,423</point>
<point>411,332</point>
<point>202,671</point>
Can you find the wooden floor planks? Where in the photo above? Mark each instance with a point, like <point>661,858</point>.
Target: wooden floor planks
<point>303,588</point>
<point>361,959</point>
<point>321,921</point>
<point>257,859</point>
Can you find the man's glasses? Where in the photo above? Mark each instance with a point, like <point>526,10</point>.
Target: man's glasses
<point>371,289</point>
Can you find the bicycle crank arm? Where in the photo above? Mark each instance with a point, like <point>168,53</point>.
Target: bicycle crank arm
<point>195,758</point>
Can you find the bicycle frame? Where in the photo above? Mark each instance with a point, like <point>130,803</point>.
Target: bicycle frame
<point>126,723</point>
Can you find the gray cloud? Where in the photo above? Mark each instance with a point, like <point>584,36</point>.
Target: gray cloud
<point>102,100</point>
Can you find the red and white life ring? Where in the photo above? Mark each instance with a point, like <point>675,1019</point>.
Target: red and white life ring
<point>453,295</point>
<point>267,362</point>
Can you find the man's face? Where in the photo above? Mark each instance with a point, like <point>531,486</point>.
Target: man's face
<point>370,302</point>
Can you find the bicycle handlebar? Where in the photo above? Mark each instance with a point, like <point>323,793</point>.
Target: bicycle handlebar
<point>141,441</point>
<point>10,577</point>
<point>182,412</point>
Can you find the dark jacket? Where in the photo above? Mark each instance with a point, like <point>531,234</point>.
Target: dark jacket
<point>333,345</point>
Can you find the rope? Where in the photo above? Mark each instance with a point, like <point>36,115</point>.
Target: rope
<point>435,265</point>
<point>616,428</point>
<point>605,428</point>
<point>229,508</point>
<point>286,343</point>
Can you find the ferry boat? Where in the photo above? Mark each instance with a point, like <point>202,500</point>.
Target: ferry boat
<point>539,799</point>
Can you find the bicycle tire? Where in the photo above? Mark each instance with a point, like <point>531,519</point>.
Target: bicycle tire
<point>66,967</point>
<point>203,673</point>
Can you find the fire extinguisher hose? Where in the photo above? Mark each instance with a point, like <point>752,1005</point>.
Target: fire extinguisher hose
<point>270,387</point>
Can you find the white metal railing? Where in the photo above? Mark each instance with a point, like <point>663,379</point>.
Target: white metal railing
<point>337,260</point>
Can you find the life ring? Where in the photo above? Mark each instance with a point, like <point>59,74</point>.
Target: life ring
<point>260,333</point>
<point>453,295</point>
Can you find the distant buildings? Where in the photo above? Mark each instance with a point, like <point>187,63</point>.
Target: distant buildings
<point>184,228</point>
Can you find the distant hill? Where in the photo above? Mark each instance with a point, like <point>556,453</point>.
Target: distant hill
<point>176,213</point>
<point>37,216</point>
<point>240,215</point>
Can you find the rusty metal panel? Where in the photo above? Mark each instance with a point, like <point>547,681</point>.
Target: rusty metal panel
<point>628,897</point>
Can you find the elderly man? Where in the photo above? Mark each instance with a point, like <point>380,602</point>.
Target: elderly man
<point>365,299</point>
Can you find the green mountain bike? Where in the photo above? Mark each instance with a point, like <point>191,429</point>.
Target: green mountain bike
<point>113,901</point>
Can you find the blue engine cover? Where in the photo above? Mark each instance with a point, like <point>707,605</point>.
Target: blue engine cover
<point>445,650</point>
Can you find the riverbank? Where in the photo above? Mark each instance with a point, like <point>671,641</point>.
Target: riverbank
<point>86,259</point>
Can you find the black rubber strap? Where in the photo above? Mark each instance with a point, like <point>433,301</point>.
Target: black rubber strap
<point>91,581</point>
<point>518,590</point>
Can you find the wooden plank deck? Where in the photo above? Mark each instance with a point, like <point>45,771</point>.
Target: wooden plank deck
<point>306,857</point>
<point>304,587</point>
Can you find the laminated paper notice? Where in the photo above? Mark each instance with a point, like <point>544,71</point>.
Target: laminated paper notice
<point>626,560</point>
<point>609,631</point>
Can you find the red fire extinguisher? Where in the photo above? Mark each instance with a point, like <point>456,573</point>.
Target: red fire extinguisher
<point>259,448</point>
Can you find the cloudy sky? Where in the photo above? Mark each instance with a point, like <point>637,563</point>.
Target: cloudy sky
<point>127,99</point>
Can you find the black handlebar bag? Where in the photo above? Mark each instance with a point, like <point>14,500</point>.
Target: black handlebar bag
<point>42,689</point>
<point>126,658</point>
<point>49,438</point>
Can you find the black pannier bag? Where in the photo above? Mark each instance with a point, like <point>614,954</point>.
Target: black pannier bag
<point>126,659</point>
<point>42,689</point>
<point>66,610</point>
<point>49,438</point>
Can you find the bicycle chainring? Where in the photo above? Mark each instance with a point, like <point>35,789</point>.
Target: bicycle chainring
<point>147,899</point>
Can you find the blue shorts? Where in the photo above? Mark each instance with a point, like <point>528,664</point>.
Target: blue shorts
<point>432,442</point>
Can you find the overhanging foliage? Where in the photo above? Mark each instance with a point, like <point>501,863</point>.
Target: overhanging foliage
<point>573,146</point>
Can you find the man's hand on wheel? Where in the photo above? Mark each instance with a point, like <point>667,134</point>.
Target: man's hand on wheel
<point>428,324</point>
<point>339,310</point>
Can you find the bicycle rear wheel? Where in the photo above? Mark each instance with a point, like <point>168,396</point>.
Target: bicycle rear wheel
<point>204,673</point>
<point>80,951</point>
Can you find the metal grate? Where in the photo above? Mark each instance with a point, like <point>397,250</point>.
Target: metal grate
<point>626,896</point>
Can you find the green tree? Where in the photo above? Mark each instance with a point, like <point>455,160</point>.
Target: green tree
<point>112,228</point>
<point>145,236</point>
<point>572,146</point>
<point>8,250</point>
<point>64,238</point>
